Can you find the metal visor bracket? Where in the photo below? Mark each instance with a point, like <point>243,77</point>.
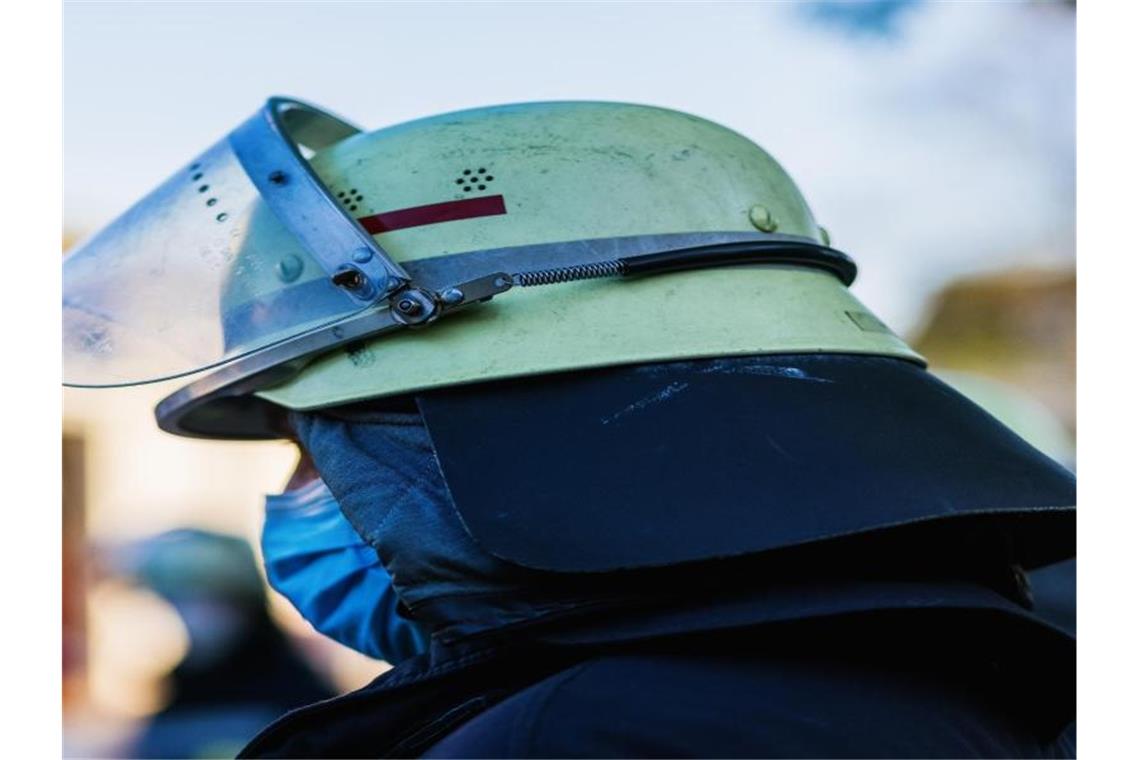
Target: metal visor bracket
<point>242,248</point>
<point>444,284</point>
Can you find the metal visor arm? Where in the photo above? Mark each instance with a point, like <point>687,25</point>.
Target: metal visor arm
<point>268,146</point>
<point>211,406</point>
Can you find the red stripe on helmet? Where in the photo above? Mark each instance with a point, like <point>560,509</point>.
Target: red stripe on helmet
<point>433,213</point>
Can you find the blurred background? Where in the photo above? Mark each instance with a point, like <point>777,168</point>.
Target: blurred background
<point>934,140</point>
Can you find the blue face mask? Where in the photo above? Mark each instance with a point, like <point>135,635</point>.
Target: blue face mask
<point>315,558</point>
<point>383,469</point>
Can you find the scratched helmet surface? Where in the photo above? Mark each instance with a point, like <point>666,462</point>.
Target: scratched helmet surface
<point>538,173</point>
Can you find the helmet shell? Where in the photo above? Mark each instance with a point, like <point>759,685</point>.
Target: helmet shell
<point>569,171</point>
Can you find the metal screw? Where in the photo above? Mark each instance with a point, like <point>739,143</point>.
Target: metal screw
<point>362,256</point>
<point>409,306</point>
<point>279,177</point>
<point>452,296</point>
<point>762,219</point>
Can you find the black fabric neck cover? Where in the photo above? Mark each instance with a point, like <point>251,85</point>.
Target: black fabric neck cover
<point>533,495</point>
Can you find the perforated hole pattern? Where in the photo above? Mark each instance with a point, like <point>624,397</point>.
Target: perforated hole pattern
<point>198,175</point>
<point>351,199</point>
<point>474,179</point>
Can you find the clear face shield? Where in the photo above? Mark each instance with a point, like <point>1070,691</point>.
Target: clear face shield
<point>245,263</point>
<point>162,291</point>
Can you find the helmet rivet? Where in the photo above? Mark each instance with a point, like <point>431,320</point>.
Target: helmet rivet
<point>289,268</point>
<point>452,296</point>
<point>762,219</point>
<point>409,306</point>
<point>362,256</point>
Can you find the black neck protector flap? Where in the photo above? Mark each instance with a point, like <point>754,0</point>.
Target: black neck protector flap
<point>648,466</point>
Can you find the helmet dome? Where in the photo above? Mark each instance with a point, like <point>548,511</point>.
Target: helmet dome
<point>537,173</point>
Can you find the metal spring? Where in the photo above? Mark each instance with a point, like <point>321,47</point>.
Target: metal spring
<point>568,274</point>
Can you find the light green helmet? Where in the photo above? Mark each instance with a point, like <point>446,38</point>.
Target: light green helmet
<point>558,190</point>
<point>576,171</point>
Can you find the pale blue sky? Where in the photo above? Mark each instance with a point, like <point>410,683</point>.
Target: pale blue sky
<point>941,148</point>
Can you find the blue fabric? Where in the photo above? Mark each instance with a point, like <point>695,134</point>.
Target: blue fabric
<point>1008,684</point>
<point>649,466</point>
<point>530,510</point>
<point>315,558</point>
<point>485,505</point>
<point>1055,594</point>
<point>382,470</point>
<point>737,705</point>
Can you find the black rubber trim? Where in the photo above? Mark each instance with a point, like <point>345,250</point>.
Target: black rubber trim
<point>731,254</point>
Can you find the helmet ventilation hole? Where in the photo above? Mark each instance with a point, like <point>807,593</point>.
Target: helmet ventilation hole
<point>351,199</point>
<point>474,179</point>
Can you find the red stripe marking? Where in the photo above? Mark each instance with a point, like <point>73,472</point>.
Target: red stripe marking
<point>433,213</point>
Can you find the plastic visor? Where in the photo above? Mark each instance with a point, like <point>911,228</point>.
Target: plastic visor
<point>233,253</point>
